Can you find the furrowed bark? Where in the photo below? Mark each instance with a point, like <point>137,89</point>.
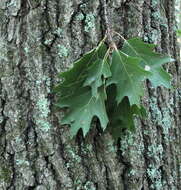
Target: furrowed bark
<point>40,38</point>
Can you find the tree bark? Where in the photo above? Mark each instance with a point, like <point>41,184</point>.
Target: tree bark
<point>40,38</point>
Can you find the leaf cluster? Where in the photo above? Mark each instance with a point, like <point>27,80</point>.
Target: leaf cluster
<point>107,84</point>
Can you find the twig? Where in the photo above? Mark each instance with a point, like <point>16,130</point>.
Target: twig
<point>108,27</point>
<point>30,4</point>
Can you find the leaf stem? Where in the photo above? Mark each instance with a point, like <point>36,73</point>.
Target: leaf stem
<point>107,54</point>
<point>126,41</point>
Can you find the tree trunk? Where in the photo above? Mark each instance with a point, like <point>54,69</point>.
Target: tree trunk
<point>38,39</point>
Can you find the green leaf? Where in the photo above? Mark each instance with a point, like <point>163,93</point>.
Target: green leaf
<point>151,60</point>
<point>97,74</point>
<point>122,115</point>
<point>101,50</point>
<point>82,108</point>
<point>73,94</point>
<point>140,111</point>
<point>74,77</point>
<point>127,75</point>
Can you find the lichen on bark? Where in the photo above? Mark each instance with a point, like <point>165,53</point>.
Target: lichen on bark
<point>41,38</point>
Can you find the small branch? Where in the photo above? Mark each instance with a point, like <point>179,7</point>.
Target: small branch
<point>107,23</point>
<point>30,4</point>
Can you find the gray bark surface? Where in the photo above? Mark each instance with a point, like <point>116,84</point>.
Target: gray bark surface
<point>38,39</point>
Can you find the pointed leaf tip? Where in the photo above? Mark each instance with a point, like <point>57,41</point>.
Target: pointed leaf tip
<point>138,48</point>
